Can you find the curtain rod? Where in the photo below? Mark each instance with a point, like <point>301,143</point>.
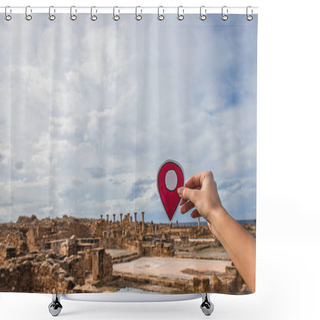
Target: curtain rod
<point>128,9</point>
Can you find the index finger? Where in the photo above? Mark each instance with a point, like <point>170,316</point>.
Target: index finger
<point>183,201</point>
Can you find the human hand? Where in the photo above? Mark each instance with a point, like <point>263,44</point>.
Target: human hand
<point>200,191</point>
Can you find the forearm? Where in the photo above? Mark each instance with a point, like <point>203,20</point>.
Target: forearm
<point>238,243</point>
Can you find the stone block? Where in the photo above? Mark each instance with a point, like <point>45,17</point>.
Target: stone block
<point>101,264</point>
<point>201,284</point>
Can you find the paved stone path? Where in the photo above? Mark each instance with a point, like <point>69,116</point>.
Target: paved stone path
<point>170,267</point>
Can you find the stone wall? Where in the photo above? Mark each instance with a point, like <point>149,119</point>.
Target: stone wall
<point>7,252</point>
<point>42,272</point>
<point>14,237</point>
<point>158,249</point>
<point>31,240</point>
<point>64,247</point>
<point>229,282</point>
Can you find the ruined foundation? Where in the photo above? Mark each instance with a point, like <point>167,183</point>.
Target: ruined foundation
<point>70,255</point>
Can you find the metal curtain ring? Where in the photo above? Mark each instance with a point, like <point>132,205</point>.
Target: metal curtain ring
<point>51,15</point>
<point>7,16</point>
<point>203,13</point>
<point>73,16</point>
<point>116,17</point>
<point>160,16</point>
<point>138,16</point>
<point>224,13</point>
<point>249,17</point>
<point>93,17</point>
<point>28,15</point>
<point>180,15</point>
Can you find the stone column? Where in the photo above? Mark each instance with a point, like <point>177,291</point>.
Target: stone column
<point>107,218</point>
<point>130,219</point>
<point>135,222</point>
<point>198,222</point>
<point>97,263</point>
<point>114,218</point>
<point>101,264</point>
<point>120,217</point>
<point>101,216</point>
<point>143,226</point>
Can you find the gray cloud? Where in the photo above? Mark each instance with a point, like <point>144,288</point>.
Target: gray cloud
<point>139,188</point>
<point>73,191</point>
<point>19,165</point>
<point>97,172</point>
<point>155,196</point>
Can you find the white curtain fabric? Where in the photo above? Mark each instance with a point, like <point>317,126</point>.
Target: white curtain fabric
<point>90,110</point>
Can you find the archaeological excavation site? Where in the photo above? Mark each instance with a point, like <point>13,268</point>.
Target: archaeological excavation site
<point>117,252</point>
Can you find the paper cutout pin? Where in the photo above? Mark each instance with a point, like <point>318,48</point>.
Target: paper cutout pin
<point>170,178</point>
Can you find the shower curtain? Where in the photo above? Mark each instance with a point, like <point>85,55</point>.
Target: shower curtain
<point>100,123</point>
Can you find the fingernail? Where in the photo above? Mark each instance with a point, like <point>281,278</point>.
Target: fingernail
<point>180,191</point>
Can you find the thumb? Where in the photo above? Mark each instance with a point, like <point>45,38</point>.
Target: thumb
<point>188,194</point>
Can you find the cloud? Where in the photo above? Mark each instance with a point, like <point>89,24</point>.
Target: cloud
<point>97,172</point>
<point>19,165</point>
<point>84,132</point>
<point>73,190</point>
<point>4,156</point>
<point>139,188</point>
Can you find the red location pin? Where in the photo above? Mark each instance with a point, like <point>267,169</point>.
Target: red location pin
<point>170,178</point>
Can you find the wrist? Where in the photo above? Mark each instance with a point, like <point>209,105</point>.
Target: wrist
<point>216,215</point>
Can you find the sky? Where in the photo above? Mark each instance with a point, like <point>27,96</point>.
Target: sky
<point>90,110</point>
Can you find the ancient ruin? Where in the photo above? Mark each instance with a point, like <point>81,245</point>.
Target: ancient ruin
<point>71,255</point>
